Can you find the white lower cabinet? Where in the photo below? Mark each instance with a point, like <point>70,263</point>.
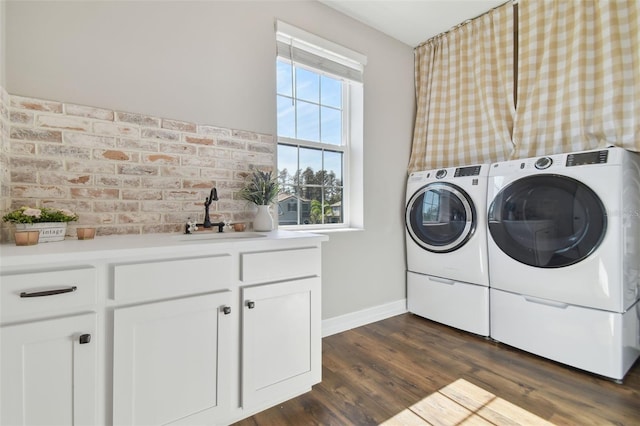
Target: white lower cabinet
<point>49,372</point>
<point>281,353</point>
<point>178,334</point>
<point>171,361</point>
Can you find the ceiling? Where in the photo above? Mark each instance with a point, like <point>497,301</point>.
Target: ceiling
<point>412,21</point>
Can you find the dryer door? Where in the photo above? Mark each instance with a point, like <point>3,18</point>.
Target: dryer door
<point>547,221</point>
<point>440,217</point>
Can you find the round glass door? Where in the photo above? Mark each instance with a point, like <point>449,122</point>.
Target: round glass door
<point>547,221</point>
<point>440,217</point>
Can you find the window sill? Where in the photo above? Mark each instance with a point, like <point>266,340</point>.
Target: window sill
<point>320,230</point>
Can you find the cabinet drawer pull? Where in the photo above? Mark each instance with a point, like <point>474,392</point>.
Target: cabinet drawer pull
<point>545,302</point>
<point>251,304</point>
<point>442,280</point>
<point>226,310</point>
<point>49,292</point>
<point>84,339</point>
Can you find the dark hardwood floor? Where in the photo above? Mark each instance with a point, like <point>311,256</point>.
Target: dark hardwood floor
<point>407,370</point>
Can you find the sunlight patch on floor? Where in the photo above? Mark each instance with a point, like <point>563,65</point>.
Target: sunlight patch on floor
<point>463,403</point>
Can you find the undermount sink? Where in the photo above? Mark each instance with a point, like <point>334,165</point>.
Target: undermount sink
<point>216,236</point>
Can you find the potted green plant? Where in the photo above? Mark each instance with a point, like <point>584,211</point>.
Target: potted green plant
<point>51,223</point>
<point>261,188</point>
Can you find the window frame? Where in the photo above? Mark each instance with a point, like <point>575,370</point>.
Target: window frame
<point>352,115</point>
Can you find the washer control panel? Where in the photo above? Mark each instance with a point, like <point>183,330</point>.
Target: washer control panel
<point>467,171</point>
<point>582,158</point>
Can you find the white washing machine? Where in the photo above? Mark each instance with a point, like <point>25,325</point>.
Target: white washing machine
<point>564,252</point>
<point>447,274</point>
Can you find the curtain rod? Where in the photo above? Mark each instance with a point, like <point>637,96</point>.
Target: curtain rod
<point>462,24</point>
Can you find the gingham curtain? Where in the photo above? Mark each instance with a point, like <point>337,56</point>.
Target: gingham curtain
<point>578,76</point>
<point>464,94</point>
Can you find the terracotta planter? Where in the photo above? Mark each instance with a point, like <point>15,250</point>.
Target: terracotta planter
<point>27,238</point>
<point>86,233</point>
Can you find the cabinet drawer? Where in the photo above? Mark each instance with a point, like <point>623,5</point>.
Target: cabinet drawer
<point>265,266</point>
<point>44,291</point>
<point>171,277</point>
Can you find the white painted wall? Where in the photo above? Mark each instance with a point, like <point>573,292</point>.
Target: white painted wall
<point>213,62</point>
<point>3,62</point>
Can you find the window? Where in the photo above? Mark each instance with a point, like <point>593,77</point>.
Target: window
<point>319,105</point>
<point>311,148</point>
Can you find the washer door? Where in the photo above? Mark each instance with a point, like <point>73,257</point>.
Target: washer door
<point>440,217</point>
<point>547,221</point>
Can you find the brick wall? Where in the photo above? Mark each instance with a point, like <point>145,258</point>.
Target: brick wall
<point>122,172</point>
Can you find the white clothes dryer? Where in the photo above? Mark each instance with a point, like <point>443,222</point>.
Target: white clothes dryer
<point>447,274</point>
<point>564,248</point>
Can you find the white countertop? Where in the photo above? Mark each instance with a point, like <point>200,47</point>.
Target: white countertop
<point>105,247</point>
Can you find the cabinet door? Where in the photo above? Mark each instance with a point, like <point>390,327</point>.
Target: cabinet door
<point>171,361</point>
<point>281,351</point>
<point>49,371</point>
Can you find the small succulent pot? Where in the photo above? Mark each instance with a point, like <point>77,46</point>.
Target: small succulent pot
<point>27,238</point>
<point>86,233</point>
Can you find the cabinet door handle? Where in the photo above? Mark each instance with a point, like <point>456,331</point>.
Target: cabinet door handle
<point>226,310</point>
<point>84,339</point>
<point>49,292</point>
<point>251,304</point>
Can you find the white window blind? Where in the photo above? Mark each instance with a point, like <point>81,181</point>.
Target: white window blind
<point>304,48</point>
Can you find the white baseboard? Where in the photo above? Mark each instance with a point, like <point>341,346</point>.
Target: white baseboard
<point>356,319</point>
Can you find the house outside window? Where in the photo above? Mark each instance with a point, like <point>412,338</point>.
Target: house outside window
<point>319,106</point>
